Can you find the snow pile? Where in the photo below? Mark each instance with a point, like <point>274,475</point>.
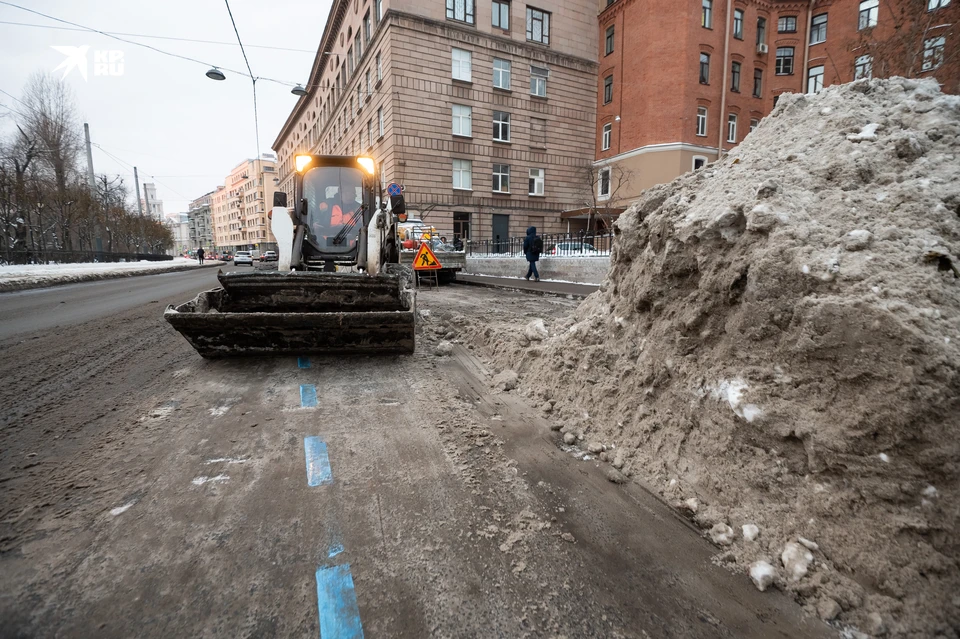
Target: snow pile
<point>23,276</point>
<point>778,340</point>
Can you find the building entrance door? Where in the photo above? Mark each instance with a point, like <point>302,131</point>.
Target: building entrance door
<point>501,233</point>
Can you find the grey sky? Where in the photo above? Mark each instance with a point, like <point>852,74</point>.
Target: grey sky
<point>163,114</point>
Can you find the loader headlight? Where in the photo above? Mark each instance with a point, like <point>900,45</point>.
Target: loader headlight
<point>302,162</point>
<point>368,164</point>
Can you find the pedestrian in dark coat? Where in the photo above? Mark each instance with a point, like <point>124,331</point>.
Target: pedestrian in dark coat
<point>200,255</point>
<point>532,247</point>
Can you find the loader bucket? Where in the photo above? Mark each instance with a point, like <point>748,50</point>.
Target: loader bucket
<point>271,313</point>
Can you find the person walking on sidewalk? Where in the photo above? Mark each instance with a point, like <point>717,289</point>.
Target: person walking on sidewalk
<point>200,255</point>
<point>532,248</point>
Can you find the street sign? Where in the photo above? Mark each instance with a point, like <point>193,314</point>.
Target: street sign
<point>426,260</point>
<point>394,189</point>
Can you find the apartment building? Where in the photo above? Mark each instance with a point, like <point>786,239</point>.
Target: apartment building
<point>675,93</point>
<point>150,203</point>
<point>482,109</point>
<point>200,222</point>
<point>239,207</point>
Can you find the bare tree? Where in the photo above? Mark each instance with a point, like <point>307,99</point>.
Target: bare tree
<point>602,190</point>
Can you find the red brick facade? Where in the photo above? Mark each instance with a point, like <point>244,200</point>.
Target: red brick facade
<point>657,44</point>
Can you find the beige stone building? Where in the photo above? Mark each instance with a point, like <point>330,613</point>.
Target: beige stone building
<point>483,111</point>
<point>239,207</point>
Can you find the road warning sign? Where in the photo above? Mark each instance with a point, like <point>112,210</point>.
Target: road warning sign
<point>425,260</point>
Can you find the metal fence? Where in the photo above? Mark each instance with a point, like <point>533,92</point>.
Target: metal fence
<point>554,245</point>
<point>76,257</point>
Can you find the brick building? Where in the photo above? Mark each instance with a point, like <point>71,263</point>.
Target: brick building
<point>239,208</point>
<point>676,92</point>
<point>484,111</point>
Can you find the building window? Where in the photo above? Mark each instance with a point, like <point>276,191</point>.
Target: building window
<point>538,81</point>
<point>370,132</point>
<point>933,53</point>
<point>863,67</point>
<point>536,182</point>
<point>463,174</point>
<point>380,120</point>
<point>787,24</point>
<point>538,133</point>
<point>461,225</point>
<point>699,162</point>
<point>702,121</point>
<point>358,47</point>
<point>608,41</point>
<point>501,126</point>
<point>369,84</point>
<point>815,79</point>
<point>704,68</point>
<point>501,74</point>
<point>460,10</point>
<point>605,138</point>
<point>603,184</point>
<point>501,178</point>
<point>761,30</point>
<point>735,77</point>
<point>379,68</point>
<point>757,83</point>
<point>738,24</point>
<point>818,29</point>
<point>784,61</point>
<point>462,120</point>
<point>538,26</point>
<point>732,127</point>
<point>501,14</point>
<point>933,5</point>
<point>706,14</point>
<point>869,12</point>
<point>367,31</point>
<point>608,89</point>
<point>461,65</point>
<point>754,123</point>
<point>379,8</point>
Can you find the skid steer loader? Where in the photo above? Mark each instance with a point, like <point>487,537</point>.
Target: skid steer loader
<point>339,287</point>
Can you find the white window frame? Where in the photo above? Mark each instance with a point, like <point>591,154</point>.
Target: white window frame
<point>461,62</point>
<point>369,84</point>
<point>754,123</point>
<point>538,81</point>
<point>815,79</point>
<point>370,132</point>
<point>501,125</point>
<point>502,70</point>
<point>693,162</point>
<point>379,68</point>
<point>462,11</point>
<point>702,121</point>
<point>706,14</point>
<point>869,14</point>
<point>501,175</point>
<point>933,53</point>
<point>463,175</point>
<point>732,127</point>
<point>863,67</point>
<point>497,7</point>
<point>462,119</point>
<point>818,29</point>
<point>534,14</point>
<point>601,193</point>
<point>605,137</point>
<point>537,183</point>
<point>933,5</point>
<point>382,125</point>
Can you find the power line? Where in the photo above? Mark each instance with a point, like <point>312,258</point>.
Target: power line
<point>155,37</point>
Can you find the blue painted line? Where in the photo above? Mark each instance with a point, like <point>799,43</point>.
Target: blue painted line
<point>337,601</point>
<point>318,462</point>
<point>308,395</point>
<point>335,550</point>
<point>303,362</point>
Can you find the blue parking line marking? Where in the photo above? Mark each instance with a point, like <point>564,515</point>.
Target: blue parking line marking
<point>318,462</point>
<point>303,362</point>
<point>337,602</point>
<point>308,395</point>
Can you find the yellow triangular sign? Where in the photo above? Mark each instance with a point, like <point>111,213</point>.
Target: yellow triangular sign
<point>425,260</point>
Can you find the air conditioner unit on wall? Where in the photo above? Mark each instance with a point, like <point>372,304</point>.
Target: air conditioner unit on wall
<point>763,48</point>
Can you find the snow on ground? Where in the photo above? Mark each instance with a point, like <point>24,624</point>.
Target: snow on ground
<point>23,276</point>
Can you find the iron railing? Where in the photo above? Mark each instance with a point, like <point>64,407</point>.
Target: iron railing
<point>77,257</point>
<point>554,245</point>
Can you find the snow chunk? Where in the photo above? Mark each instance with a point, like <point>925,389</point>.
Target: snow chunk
<point>929,491</point>
<point>119,510</point>
<point>868,132</point>
<point>536,331</point>
<point>199,481</point>
<point>731,391</point>
<point>810,545</point>
<point>762,574</point>
<point>721,534</point>
<point>750,532</point>
<point>796,559</point>
<point>884,458</point>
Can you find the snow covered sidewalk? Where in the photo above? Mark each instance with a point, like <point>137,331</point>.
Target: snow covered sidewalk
<point>19,277</point>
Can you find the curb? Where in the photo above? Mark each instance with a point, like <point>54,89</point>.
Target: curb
<point>506,285</point>
<point>13,287</point>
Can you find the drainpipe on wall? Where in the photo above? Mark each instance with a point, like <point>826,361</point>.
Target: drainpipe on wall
<point>806,49</point>
<point>726,66</point>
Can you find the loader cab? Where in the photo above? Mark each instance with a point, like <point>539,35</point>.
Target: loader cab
<point>336,198</point>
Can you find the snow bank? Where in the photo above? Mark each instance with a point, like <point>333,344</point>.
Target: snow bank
<point>18,277</point>
<point>779,339</point>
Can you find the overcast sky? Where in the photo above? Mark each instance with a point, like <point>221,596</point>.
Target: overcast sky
<point>163,114</point>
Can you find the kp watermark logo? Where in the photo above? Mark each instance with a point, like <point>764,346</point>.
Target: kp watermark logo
<point>106,62</point>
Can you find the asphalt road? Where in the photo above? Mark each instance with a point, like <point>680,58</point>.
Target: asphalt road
<point>147,492</point>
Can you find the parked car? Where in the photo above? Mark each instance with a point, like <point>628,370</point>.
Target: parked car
<point>269,256</point>
<point>243,257</point>
<point>572,248</point>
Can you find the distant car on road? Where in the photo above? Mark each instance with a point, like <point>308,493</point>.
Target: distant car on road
<point>269,256</point>
<point>573,248</point>
<point>243,257</point>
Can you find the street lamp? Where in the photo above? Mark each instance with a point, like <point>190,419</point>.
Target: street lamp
<point>298,91</point>
<point>216,74</point>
